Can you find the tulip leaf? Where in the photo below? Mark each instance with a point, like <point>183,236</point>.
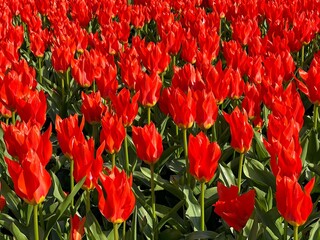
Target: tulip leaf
<point>145,221</point>
<point>11,199</point>
<point>62,208</point>
<point>201,235</point>
<point>193,212</point>
<point>313,151</point>
<point>226,175</point>
<point>315,231</point>
<point>170,234</point>
<point>269,219</point>
<point>259,147</point>
<point>166,155</point>
<point>57,189</point>
<point>13,226</point>
<point>92,227</point>
<point>258,173</point>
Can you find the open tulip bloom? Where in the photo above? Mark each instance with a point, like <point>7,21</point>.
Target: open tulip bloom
<point>138,115</point>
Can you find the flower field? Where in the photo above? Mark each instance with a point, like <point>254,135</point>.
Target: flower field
<point>169,119</point>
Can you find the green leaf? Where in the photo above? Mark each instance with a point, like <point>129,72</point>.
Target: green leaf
<point>145,221</point>
<point>12,200</point>
<point>226,175</point>
<point>92,227</point>
<point>62,208</point>
<point>201,235</point>
<point>57,189</point>
<point>193,212</point>
<point>260,148</point>
<point>313,151</point>
<point>13,226</point>
<point>258,173</point>
<point>166,155</point>
<point>170,234</point>
<point>170,214</point>
<point>315,231</point>
<point>269,219</point>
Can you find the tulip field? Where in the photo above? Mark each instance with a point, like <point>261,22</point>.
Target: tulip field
<point>159,119</point>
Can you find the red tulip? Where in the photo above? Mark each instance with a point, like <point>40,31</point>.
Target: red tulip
<point>294,203</point>
<point>92,107</point>
<point>30,178</point>
<point>148,143</point>
<point>203,157</point>
<point>206,109</point>
<point>241,130</point>
<point>112,133</point>
<point>149,87</point>
<point>115,196</point>
<point>234,209</point>
<point>125,106</point>
<point>87,163</point>
<point>77,227</point>
<point>22,137</point>
<point>68,132</point>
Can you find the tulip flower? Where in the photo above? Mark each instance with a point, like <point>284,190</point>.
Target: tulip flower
<point>30,178</point>
<point>233,208</point>
<point>293,202</point>
<point>148,143</point>
<point>112,133</point>
<point>92,107</point>
<point>241,130</point>
<point>77,227</point>
<point>203,157</point>
<point>118,202</point>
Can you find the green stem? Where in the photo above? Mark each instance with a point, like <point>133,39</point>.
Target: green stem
<point>87,201</point>
<point>149,114</point>
<point>153,202</point>
<point>41,216</point>
<point>40,69</point>
<point>113,160</point>
<point>302,55</point>
<point>185,147</point>
<point>285,230</point>
<point>115,231</point>
<point>124,230</point>
<point>315,117</point>
<point>71,179</point>
<point>202,205</point>
<point>35,222</point>
<point>240,171</point>
<point>13,118</point>
<point>214,133</point>
<point>162,77</point>
<point>240,235</point>
<point>95,133</point>
<point>126,153</point>
<point>68,78</point>
<point>63,90</point>
<point>220,30</point>
<point>296,233</point>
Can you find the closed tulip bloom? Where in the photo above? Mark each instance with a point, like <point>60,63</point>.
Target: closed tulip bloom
<point>30,178</point>
<point>87,163</point>
<point>294,203</point>
<point>77,227</point>
<point>233,208</point>
<point>92,107</point>
<point>148,143</point>
<point>241,130</point>
<point>125,106</point>
<point>68,132</point>
<point>115,196</point>
<point>203,157</point>
<point>112,133</point>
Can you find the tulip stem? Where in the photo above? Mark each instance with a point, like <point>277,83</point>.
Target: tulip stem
<point>40,69</point>
<point>214,133</point>
<point>285,230</point>
<point>35,222</point>
<point>302,55</point>
<point>149,114</point>
<point>126,153</point>
<point>41,215</point>
<point>185,147</point>
<point>115,231</point>
<point>296,233</point>
<point>202,205</point>
<point>13,118</point>
<point>113,159</point>
<point>87,201</point>
<point>153,203</point>
<point>240,171</point>
<point>124,229</point>
<point>315,117</point>
<point>71,180</point>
